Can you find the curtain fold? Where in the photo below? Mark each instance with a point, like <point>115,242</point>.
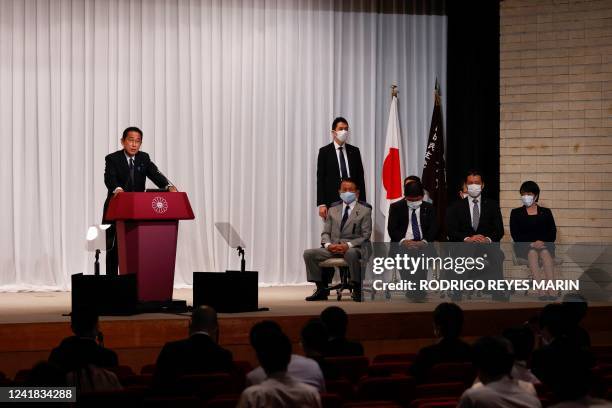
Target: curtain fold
<point>234,98</point>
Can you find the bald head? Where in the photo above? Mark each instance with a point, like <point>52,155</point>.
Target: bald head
<point>204,318</point>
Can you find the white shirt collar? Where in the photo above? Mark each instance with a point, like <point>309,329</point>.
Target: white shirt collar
<point>128,157</point>
<point>351,205</point>
<point>339,146</point>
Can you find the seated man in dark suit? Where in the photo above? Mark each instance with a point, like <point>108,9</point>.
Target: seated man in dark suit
<point>127,170</point>
<point>336,321</point>
<point>85,347</point>
<point>197,354</point>
<point>346,232</point>
<point>412,226</point>
<point>448,323</point>
<point>478,221</point>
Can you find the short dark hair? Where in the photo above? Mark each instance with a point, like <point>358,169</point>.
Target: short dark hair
<point>273,351</point>
<point>260,329</point>
<point>83,321</point>
<point>348,180</point>
<point>448,318</point>
<point>315,335</point>
<point>414,189</point>
<point>339,119</point>
<point>204,318</point>
<point>473,172</point>
<point>530,187</point>
<point>336,321</point>
<point>413,178</point>
<point>130,129</point>
<point>493,356</point>
<point>522,340</point>
<point>552,318</point>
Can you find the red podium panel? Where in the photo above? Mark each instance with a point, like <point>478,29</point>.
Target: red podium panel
<point>147,232</point>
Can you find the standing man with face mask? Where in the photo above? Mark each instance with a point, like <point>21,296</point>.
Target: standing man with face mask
<point>477,220</point>
<point>337,160</point>
<point>348,227</point>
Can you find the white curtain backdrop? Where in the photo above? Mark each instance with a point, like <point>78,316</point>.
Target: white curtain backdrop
<point>234,98</point>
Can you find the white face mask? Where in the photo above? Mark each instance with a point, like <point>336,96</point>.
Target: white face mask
<point>413,205</point>
<point>341,135</point>
<point>474,190</point>
<point>527,200</point>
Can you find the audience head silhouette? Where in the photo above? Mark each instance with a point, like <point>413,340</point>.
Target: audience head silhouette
<point>314,338</point>
<point>204,319</point>
<point>336,321</point>
<point>273,350</point>
<point>84,322</point>
<point>492,358</point>
<point>448,320</point>
<point>522,340</point>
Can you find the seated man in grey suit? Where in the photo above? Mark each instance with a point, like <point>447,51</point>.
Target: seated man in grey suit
<point>347,228</point>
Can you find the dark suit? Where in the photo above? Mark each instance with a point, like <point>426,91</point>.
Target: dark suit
<point>398,221</point>
<point>328,173</point>
<point>342,347</point>
<point>459,226</point>
<point>75,353</point>
<point>117,174</point>
<point>198,354</point>
<point>445,351</point>
<point>399,215</point>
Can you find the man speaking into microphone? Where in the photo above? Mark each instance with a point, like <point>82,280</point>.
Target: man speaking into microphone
<point>126,170</point>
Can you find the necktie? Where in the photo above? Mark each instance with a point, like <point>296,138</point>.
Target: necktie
<point>132,174</point>
<point>344,217</point>
<point>476,215</point>
<point>343,169</point>
<point>416,234</point>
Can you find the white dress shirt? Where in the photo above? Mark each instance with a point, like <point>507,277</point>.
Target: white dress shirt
<point>409,233</point>
<point>503,393</point>
<point>301,368</point>
<point>348,170</point>
<point>280,390</point>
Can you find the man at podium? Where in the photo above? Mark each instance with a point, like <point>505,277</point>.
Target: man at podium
<point>127,170</point>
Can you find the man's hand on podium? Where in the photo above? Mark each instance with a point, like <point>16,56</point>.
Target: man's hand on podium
<point>172,189</point>
<point>117,191</point>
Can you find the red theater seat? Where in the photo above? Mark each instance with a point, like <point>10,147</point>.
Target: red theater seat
<point>452,372</point>
<point>450,389</point>
<point>419,402</point>
<point>329,400</point>
<point>388,369</point>
<point>397,389</point>
<point>131,396</point>
<point>206,386</point>
<point>351,368</point>
<point>341,387</point>
<point>223,401</point>
<point>394,357</point>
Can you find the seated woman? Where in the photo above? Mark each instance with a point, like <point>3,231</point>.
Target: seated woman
<point>534,232</point>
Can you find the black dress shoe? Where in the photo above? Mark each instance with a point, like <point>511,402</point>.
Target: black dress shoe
<point>319,294</point>
<point>356,295</point>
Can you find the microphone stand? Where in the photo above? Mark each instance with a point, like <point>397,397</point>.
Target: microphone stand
<point>242,261</point>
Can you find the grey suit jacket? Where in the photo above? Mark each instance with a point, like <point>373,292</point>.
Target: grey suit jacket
<point>358,227</point>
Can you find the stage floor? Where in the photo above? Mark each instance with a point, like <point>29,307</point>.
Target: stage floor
<point>30,307</point>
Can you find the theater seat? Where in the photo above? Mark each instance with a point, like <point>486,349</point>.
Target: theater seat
<point>341,387</point>
<point>450,389</point>
<point>388,369</point>
<point>148,369</point>
<point>351,368</point>
<point>394,357</point>
<point>452,372</point>
<point>206,386</point>
<point>171,402</point>
<point>397,389</point>
<point>223,401</point>
<point>131,396</point>
<point>121,371</point>
<point>329,400</point>
<point>419,402</point>
<point>440,404</point>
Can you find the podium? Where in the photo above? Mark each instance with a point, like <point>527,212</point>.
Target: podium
<point>147,232</point>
